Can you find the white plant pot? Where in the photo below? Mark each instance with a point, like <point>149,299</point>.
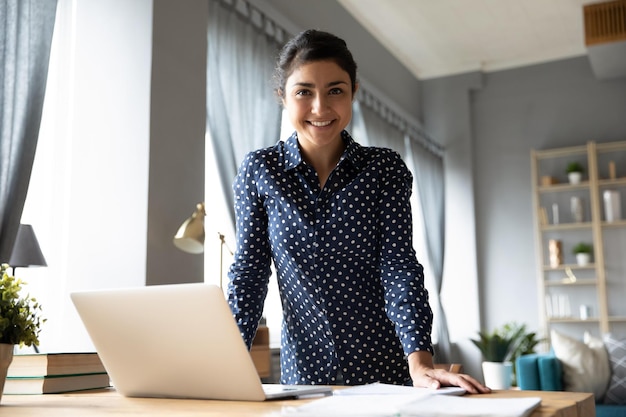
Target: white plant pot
<point>583,259</point>
<point>498,375</point>
<point>575,177</point>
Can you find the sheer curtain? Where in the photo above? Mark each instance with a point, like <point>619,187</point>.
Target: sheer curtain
<point>376,125</point>
<point>25,39</point>
<point>242,112</point>
<point>429,175</point>
<point>370,129</point>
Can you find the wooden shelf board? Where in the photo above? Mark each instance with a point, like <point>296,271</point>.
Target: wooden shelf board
<point>565,226</point>
<point>566,282</point>
<point>572,320</point>
<point>563,187</point>
<point>570,266</point>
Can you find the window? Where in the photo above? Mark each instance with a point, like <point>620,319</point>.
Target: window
<point>87,200</point>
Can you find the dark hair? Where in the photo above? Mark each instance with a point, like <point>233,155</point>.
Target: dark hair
<point>308,46</point>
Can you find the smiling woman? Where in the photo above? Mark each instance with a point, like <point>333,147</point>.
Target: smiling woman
<point>334,218</point>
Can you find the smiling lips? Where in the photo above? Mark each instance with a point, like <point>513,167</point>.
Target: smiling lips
<point>321,124</point>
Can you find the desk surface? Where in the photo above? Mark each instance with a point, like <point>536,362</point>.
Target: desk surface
<point>108,403</point>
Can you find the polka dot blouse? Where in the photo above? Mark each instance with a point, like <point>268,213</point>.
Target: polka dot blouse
<point>352,291</point>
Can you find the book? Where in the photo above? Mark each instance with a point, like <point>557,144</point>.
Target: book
<point>55,384</point>
<point>48,364</point>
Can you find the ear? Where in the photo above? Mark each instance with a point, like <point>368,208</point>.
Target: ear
<point>281,96</point>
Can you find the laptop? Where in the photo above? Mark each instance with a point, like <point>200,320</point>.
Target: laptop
<point>175,341</point>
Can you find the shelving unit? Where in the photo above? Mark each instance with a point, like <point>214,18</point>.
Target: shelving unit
<point>598,287</point>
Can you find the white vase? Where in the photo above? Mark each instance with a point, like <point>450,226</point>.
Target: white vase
<point>576,207</point>
<point>575,177</point>
<point>498,375</point>
<point>583,259</point>
<point>612,205</point>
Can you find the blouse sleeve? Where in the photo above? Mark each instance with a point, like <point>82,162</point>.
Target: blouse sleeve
<point>406,298</point>
<point>249,274</point>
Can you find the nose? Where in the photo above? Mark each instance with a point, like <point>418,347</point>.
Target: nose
<point>319,104</point>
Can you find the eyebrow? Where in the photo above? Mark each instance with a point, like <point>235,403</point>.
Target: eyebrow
<point>311,85</point>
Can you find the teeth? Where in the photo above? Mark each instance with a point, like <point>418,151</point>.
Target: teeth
<point>320,124</point>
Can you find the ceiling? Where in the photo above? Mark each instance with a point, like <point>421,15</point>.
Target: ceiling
<point>435,38</point>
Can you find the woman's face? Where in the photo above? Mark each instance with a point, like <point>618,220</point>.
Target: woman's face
<point>318,99</point>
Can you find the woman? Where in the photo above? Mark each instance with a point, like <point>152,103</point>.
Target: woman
<point>335,219</point>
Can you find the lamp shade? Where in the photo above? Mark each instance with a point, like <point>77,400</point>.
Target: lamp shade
<point>190,235</point>
<point>26,250</point>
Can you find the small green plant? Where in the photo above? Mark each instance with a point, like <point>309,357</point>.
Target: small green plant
<point>582,248</point>
<point>506,343</point>
<point>20,316</point>
<point>575,166</point>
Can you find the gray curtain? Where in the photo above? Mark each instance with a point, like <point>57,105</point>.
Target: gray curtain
<point>242,112</point>
<point>429,175</point>
<point>25,40</point>
<point>373,130</point>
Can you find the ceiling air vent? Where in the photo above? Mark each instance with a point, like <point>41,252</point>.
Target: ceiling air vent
<point>605,38</point>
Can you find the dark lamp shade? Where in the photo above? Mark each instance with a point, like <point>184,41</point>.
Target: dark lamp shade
<point>26,250</point>
<point>190,235</point>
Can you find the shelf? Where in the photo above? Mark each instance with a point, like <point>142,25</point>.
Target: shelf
<point>567,282</point>
<point>618,223</point>
<point>605,165</point>
<point>563,187</point>
<point>609,182</point>
<point>561,152</point>
<point>566,226</point>
<point>617,319</point>
<point>565,267</point>
<point>572,320</point>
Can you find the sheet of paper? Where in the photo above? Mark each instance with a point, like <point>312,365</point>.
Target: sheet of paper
<point>389,389</point>
<point>407,405</point>
<point>385,405</point>
<point>447,406</point>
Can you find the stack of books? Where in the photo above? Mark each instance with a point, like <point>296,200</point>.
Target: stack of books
<point>52,373</point>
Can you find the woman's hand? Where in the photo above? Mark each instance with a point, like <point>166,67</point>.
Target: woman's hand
<point>424,375</point>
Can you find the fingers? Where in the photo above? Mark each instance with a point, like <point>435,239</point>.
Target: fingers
<point>470,384</point>
<point>438,378</point>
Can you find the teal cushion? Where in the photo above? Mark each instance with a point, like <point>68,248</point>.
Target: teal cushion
<point>540,372</point>
<point>550,373</point>
<point>527,372</point>
<point>609,410</point>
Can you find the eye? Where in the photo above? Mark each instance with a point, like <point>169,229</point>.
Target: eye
<point>303,93</point>
<point>335,91</point>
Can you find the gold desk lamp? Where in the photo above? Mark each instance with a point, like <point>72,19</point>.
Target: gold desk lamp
<point>190,236</point>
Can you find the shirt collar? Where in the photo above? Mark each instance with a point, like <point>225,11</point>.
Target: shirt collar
<point>293,158</point>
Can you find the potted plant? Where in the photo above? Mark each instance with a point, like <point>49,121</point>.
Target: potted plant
<point>500,349</point>
<point>20,320</point>
<point>583,251</point>
<point>575,172</point>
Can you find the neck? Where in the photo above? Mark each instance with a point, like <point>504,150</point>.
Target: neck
<point>323,160</point>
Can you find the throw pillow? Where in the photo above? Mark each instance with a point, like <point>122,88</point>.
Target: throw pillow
<point>616,393</point>
<point>585,363</point>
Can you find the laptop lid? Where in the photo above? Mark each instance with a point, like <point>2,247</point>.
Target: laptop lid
<point>175,341</point>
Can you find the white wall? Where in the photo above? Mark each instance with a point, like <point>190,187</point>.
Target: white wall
<point>88,196</point>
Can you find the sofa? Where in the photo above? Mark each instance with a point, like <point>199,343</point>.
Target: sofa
<point>593,365</point>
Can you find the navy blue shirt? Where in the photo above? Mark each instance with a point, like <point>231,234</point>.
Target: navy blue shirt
<point>352,291</point>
